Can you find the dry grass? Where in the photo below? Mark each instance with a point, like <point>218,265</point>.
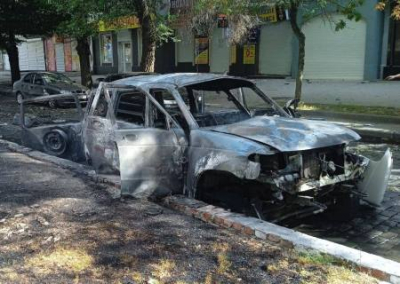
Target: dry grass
<point>164,269</point>
<point>67,259</point>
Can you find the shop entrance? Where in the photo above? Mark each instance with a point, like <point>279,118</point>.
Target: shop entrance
<point>124,57</point>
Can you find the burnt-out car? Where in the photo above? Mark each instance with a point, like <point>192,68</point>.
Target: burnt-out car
<point>221,139</point>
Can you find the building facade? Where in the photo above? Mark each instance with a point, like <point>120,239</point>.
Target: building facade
<point>353,53</point>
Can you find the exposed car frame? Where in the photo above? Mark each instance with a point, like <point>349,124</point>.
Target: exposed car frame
<point>271,166</point>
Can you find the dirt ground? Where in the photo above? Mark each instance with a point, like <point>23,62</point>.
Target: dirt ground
<point>56,227</point>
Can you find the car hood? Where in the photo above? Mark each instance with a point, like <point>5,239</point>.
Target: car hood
<point>67,87</point>
<point>289,134</point>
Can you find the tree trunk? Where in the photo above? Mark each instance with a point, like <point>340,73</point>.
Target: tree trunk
<point>83,50</point>
<point>149,38</point>
<point>12,52</point>
<point>302,51</point>
<point>148,50</point>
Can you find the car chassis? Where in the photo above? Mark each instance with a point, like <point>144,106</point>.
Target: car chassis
<point>273,167</point>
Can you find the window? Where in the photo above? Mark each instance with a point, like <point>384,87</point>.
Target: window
<point>106,48</point>
<point>38,80</point>
<point>168,102</point>
<point>101,106</point>
<point>56,78</point>
<point>131,108</point>
<point>27,78</point>
<point>251,100</point>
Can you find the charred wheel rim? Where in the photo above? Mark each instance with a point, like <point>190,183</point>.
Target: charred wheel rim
<point>20,98</point>
<point>55,142</point>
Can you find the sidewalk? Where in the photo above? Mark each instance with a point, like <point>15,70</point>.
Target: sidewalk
<point>371,128</point>
<point>379,93</point>
<point>58,227</point>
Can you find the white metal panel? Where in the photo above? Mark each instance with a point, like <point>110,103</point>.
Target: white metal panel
<point>6,62</point>
<point>335,55</point>
<point>276,49</point>
<point>185,48</point>
<point>219,52</point>
<point>23,56</point>
<point>31,55</point>
<point>60,61</point>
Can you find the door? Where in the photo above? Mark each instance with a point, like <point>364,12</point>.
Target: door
<point>37,87</point>
<point>335,55</point>
<point>60,63</point>
<point>220,51</point>
<point>125,57</point>
<point>27,85</point>
<point>276,49</point>
<point>98,134</point>
<point>150,154</point>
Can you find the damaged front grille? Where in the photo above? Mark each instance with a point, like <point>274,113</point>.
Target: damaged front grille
<point>325,161</point>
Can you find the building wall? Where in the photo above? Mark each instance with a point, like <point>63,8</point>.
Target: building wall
<point>118,37</point>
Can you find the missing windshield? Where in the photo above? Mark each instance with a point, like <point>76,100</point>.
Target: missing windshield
<point>226,101</point>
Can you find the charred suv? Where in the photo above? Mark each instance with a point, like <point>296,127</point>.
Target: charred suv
<point>220,139</point>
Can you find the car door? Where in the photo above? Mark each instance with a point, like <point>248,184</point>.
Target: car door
<point>26,85</point>
<point>150,152</point>
<point>98,135</point>
<point>36,89</point>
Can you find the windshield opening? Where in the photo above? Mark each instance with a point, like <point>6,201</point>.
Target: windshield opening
<point>226,101</point>
<point>55,78</point>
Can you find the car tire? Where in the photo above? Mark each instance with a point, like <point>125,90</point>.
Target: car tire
<point>55,142</point>
<point>19,97</point>
<point>53,104</point>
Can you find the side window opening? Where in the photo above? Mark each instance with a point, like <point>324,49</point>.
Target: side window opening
<point>27,78</point>
<point>168,102</point>
<point>131,108</point>
<point>158,118</point>
<point>101,107</point>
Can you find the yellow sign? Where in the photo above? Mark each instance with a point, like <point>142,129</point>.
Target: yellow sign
<point>249,54</point>
<point>201,50</point>
<point>129,22</point>
<point>233,54</point>
<point>270,15</point>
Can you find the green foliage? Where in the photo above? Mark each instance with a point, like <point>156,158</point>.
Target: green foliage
<point>26,18</point>
<point>80,16</point>
<point>154,9</point>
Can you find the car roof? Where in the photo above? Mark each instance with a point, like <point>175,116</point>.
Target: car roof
<point>178,79</point>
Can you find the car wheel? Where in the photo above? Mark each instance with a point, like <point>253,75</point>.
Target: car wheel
<point>19,97</point>
<point>55,142</point>
<point>52,104</point>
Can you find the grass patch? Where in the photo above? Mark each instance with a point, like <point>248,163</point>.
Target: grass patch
<point>329,270</point>
<point>71,260</point>
<point>164,269</point>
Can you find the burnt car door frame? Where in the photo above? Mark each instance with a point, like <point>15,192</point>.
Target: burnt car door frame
<point>98,134</point>
<point>149,158</point>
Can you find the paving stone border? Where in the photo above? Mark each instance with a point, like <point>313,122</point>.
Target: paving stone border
<point>378,267</point>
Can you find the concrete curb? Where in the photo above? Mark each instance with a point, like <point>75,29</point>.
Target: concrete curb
<point>361,117</point>
<point>378,267</point>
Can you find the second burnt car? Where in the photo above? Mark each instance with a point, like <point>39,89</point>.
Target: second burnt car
<point>221,139</point>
